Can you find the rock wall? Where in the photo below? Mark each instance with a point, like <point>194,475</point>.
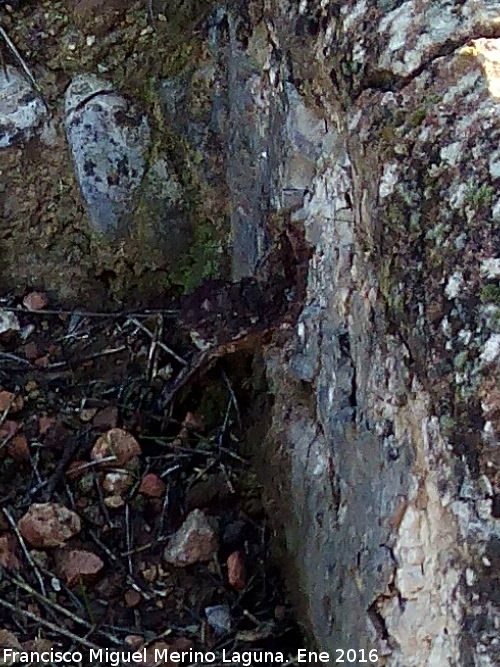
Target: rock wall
<point>374,127</point>
<point>385,415</point>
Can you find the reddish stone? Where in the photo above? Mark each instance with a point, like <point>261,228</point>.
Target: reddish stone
<point>35,301</point>
<point>194,542</point>
<point>42,362</point>
<point>18,448</point>
<point>132,598</point>
<point>152,486</point>
<point>106,419</point>
<point>8,556</point>
<point>97,17</point>
<point>45,423</point>
<point>48,525</point>
<point>117,443</point>
<point>77,565</point>
<point>4,524</point>
<point>10,402</point>
<point>193,422</point>
<point>53,350</point>
<point>31,351</point>
<point>236,573</point>
<point>9,428</point>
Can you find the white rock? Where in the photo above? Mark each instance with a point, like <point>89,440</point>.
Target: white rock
<point>490,267</point>
<point>109,140</point>
<point>22,110</point>
<point>454,285</point>
<point>8,321</point>
<point>491,350</point>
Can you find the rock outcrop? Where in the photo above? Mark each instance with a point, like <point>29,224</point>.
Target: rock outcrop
<point>371,128</point>
<point>385,416</point>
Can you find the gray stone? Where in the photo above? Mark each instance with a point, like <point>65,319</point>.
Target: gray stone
<point>109,140</point>
<point>22,110</point>
<point>219,618</point>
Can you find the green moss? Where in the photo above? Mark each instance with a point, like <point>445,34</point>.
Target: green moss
<point>388,134</point>
<point>201,261</point>
<point>396,217</point>
<point>448,425</point>
<point>417,117</point>
<point>390,289</point>
<point>491,293</point>
<point>494,320</point>
<point>213,404</point>
<point>479,196</point>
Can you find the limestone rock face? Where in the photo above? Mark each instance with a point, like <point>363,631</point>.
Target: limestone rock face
<point>373,126</point>
<point>391,458</point>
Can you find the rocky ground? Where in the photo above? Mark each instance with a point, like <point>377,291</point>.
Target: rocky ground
<point>130,516</point>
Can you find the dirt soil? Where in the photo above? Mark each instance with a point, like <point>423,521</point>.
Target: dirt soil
<point>68,379</point>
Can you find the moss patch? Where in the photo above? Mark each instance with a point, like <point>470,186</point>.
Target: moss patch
<point>202,260</point>
<point>491,293</point>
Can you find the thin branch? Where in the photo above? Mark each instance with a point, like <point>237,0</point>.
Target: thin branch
<point>13,357</point>
<point>90,357</point>
<point>25,549</point>
<point>233,396</point>
<point>20,60</point>
<point>164,347</point>
<point>151,14</point>
<point>116,560</point>
<point>62,610</point>
<point>89,313</point>
<point>128,539</point>
<point>48,624</point>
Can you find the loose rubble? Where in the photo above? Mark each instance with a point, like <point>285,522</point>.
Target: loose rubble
<point>48,525</point>
<point>152,486</point>
<point>35,301</point>
<point>8,555</point>
<point>115,448</point>
<point>219,618</point>
<point>194,542</point>
<point>78,565</point>
<point>10,402</point>
<point>236,574</point>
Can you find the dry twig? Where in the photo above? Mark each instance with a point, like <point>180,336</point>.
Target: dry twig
<point>25,549</point>
<point>21,61</point>
<point>58,630</point>
<point>62,610</point>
